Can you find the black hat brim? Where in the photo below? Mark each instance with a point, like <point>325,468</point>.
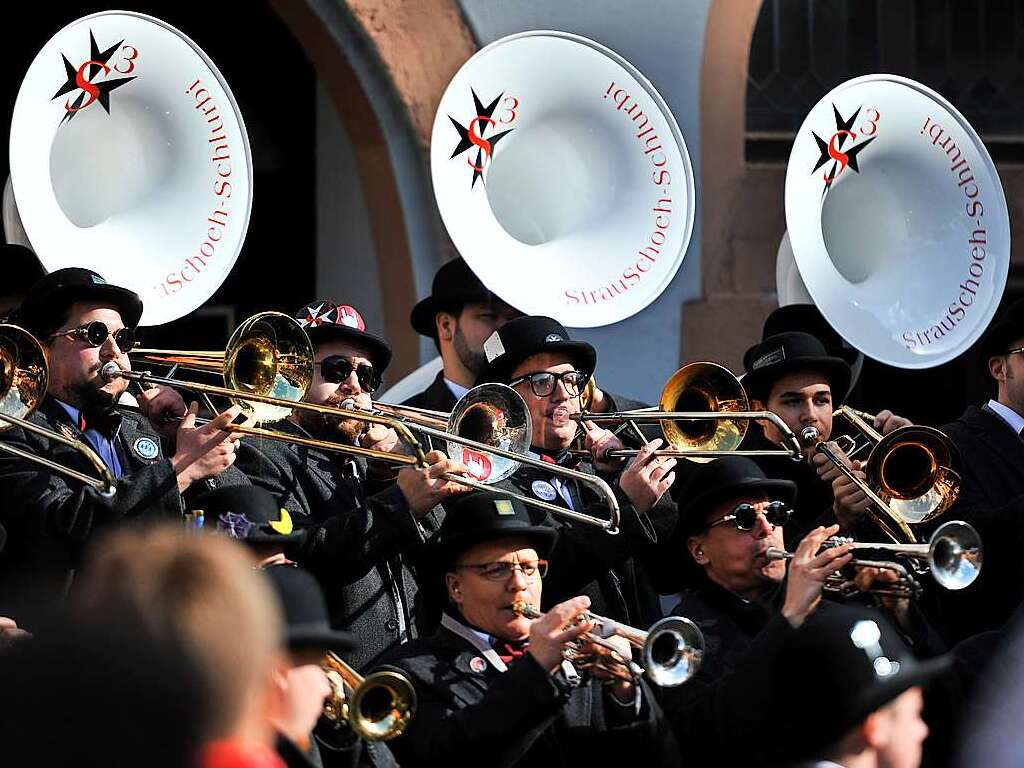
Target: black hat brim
<point>128,303</point>
<point>378,350</point>
<point>445,550</point>
<point>693,511</point>
<point>582,355</point>
<point>758,383</point>
<point>318,635</point>
<point>282,539</point>
<point>423,317</point>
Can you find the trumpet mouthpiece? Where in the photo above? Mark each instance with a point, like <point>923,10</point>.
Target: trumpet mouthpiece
<point>110,371</point>
<point>348,404</point>
<point>808,435</point>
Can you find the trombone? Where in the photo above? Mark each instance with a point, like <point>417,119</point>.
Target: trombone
<point>23,380</point>
<point>672,649</point>
<point>704,413</point>
<point>268,368</point>
<point>953,556</point>
<point>381,704</point>
<point>910,477</point>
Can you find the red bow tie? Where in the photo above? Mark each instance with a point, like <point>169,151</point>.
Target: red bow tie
<point>509,651</point>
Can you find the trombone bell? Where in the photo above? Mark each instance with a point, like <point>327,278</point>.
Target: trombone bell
<point>704,387</point>
<point>494,415</point>
<point>912,467</point>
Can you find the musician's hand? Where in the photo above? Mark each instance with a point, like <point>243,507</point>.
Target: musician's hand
<point>808,571</point>
<point>647,477</point>
<point>849,501</point>
<point>163,406</point>
<point>886,421</point>
<point>549,634</point>
<point>599,441</point>
<point>823,465</point>
<point>206,451</point>
<point>10,632</point>
<point>426,487</point>
<point>622,689</point>
<point>897,606</point>
<point>380,438</point>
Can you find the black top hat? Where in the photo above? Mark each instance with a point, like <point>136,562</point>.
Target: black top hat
<point>855,655</point>
<point>455,285</point>
<point>480,516</point>
<point>305,610</point>
<point>518,339</point>
<point>769,360</point>
<point>248,513</point>
<point>324,320</point>
<point>1008,328</point>
<point>21,268</point>
<point>42,310</point>
<point>716,481</point>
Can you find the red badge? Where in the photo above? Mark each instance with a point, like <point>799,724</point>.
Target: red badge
<point>477,664</point>
<point>349,316</point>
<point>477,463</point>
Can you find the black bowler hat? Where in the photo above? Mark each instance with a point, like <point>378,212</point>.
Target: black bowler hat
<point>480,516</point>
<point>248,513</point>
<point>769,360</point>
<point>807,318</point>
<point>42,310</point>
<point>21,268</point>
<point>305,610</point>
<point>1008,328</point>
<point>856,656</point>
<point>455,285</point>
<point>518,339</point>
<point>716,481</point>
<point>325,320</point>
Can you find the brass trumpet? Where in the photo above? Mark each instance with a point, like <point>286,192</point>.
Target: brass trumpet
<point>704,413</point>
<point>23,380</point>
<point>672,649</point>
<point>953,556</point>
<point>380,705</point>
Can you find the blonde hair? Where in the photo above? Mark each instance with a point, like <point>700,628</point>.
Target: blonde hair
<point>202,592</point>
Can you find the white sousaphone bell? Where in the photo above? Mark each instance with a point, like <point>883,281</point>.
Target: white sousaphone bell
<point>897,223</point>
<point>562,178</point>
<point>129,156</point>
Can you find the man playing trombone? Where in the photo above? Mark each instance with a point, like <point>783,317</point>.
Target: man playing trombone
<point>82,323</point>
<point>363,524</point>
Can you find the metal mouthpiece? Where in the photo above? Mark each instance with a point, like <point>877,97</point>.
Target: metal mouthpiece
<point>809,435</point>
<point>110,371</point>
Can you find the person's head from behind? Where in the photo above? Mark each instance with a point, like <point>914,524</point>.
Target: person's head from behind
<point>203,591</point>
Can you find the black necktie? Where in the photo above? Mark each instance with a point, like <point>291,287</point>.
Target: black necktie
<point>104,422</point>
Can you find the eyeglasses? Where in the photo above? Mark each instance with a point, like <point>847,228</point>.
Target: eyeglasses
<point>337,369</point>
<point>502,571</point>
<point>744,516</point>
<point>97,333</point>
<point>1016,351</point>
<point>543,383</point>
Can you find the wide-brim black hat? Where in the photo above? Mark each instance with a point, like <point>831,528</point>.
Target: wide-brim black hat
<point>48,299</point>
<point>455,285</point>
<point>324,321</point>
<point>305,611</point>
<point>783,353</point>
<point>248,513</point>
<point>1007,328</point>
<point>726,478</point>
<point>525,336</point>
<point>481,516</point>
<point>855,654</point>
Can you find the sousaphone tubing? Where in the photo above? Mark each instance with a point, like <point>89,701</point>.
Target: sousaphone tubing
<point>129,156</point>
<point>562,178</point>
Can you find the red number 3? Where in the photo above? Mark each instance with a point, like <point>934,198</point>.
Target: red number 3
<point>510,108</point>
<point>127,59</point>
<point>872,122</point>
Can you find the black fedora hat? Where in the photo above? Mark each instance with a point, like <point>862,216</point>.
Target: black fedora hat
<point>716,481</point>
<point>42,309</point>
<point>1008,328</point>
<point>783,353</point>
<point>305,610</point>
<point>518,339</point>
<point>324,320</point>
<point>481,516</point>
<point>857,656</point>
<point>248,513</point>
<point>455,285</point>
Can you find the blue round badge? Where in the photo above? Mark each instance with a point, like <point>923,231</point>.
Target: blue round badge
<point>542,489</point>
<point>146,448</point>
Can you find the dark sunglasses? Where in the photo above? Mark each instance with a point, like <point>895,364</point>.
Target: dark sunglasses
<point>744,516</point>
<point>337,369</point>
<point>543,383</point>
<point>96,333</point>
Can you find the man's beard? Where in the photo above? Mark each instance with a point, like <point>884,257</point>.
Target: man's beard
<point>93,399</point>
<point>474,361</point>
<point>329,426</point>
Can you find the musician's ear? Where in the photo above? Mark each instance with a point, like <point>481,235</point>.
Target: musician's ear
<point>454,587</point>
<point>695,544</point>
<point>445,326</point>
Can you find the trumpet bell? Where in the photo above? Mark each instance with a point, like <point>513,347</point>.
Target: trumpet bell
<point>912,468</point>
<point>22,374</point>
<point>704,387</point>
<point>495,415</point>
<point>269,354</point>
<point>673,651</point>
<point>382,706</point>
<point>955,554</point>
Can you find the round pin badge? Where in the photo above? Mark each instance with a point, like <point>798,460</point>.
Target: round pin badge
<point>146,448</point>
<point>477,664</point>
<point>542,489</point>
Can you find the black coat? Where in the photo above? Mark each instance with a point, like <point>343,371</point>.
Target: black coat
<point>359,544</point>
<point>470,712</point>
<point>436,397</point>
<point>50,518</point>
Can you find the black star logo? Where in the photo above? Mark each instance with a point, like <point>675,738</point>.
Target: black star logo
<point>468,136</point>
<point>101,91</point>
<point>832,150</point>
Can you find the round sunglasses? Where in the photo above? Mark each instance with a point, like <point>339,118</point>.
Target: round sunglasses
<point>96,333</point>
<point>336,369</point>
<point>744,516</point>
